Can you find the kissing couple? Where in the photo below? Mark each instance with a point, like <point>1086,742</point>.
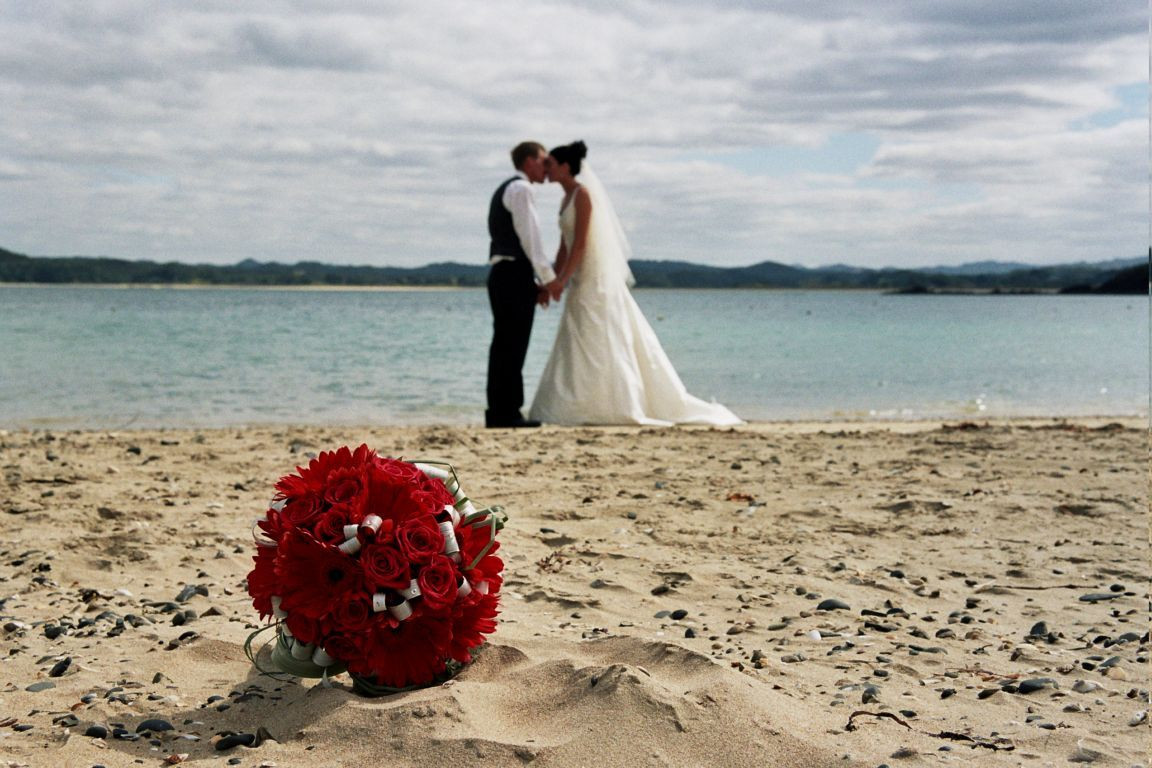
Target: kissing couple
<point>607,366</point>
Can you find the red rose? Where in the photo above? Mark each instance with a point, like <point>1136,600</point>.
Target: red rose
<point>384,566</point>
<point>329,527</point>
<point>353,614</point>
<point>341,648</point>
<point>438,490</point>
<point>304,629</point>
<point>413,502</point>
<point>343,485</point>
<point>398,472</point>
<point>420,539</point>
<point>301,511</point>
<point>437,582</point>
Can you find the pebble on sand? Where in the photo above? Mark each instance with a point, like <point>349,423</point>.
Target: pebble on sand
<point>832,604</point>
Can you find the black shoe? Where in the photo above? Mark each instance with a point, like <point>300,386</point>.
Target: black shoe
<point>522,423</point>
<point>515,421</point>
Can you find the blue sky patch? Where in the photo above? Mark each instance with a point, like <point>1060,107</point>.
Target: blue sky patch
<point>842,153</point>
<point>1133,105</point>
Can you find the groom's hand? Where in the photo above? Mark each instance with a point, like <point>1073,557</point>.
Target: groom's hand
<point>542,296</point>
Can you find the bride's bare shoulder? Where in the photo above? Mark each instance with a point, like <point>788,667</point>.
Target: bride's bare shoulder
<point>583,197</point>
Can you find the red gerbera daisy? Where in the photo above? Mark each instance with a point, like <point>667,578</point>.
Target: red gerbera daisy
<point>262,583</point>
<point>411,654</point>
<point>473,539</point>
<point>313,576</point>
<point>472,618</point>
<point>489,569</point>
<point>314,477</point>
<point>272,525</point>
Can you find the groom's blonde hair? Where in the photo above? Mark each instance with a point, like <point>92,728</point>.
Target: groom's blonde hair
<point>525,150</point>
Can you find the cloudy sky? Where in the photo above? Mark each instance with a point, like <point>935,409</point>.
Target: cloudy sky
<point>879,133</point>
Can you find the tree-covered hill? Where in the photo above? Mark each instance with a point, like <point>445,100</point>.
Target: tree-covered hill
<point>1115,276</point>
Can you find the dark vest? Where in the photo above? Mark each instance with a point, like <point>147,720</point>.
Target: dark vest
<point>505,242</point>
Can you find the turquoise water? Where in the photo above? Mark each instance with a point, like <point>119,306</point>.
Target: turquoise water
<point>96,357</point>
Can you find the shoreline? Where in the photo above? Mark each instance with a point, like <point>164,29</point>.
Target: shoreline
<point>243,287</point>
<point>790,426</point>
<point>390,287</point>
<point>395,287</point>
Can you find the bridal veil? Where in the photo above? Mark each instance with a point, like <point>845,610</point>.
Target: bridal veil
<point>607,251</point>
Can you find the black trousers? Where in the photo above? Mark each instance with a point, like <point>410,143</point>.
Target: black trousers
<point>512,294</point>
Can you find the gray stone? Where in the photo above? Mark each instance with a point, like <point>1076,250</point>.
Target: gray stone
<point>187,593</point>
<point>1035,684</point>
<point>236,740</point>
<point>154,725</point>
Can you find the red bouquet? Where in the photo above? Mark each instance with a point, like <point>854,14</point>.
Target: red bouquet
<point>379,566</point>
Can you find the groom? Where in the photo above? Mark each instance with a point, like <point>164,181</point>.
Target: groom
<point>520,277</point>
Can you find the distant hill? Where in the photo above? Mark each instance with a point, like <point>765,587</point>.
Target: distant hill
<point>1133,280</point>
<point>1084,277</point>
<point>1112,276</point>
<point>1004,267</point>
<point>979,268</point>
<point>18,268</point>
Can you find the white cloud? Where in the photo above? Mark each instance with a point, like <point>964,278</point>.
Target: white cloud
<point>362,132</point>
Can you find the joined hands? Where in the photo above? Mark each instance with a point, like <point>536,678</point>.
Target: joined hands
<point>549,292</point>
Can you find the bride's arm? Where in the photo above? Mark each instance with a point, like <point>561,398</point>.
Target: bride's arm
<point>583,203</point>
<point>556,287</point>
<point>561,257</point>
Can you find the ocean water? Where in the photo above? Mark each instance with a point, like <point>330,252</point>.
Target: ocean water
<point>105,357</point>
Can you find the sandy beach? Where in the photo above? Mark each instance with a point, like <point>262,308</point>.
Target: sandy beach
<point>787,595</point>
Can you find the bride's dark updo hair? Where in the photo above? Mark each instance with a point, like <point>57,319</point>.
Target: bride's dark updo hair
<point>570,155</point>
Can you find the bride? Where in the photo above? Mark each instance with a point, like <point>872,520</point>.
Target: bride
<point>606,366</point>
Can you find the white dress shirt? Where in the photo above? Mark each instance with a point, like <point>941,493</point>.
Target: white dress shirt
<point>520,200</point>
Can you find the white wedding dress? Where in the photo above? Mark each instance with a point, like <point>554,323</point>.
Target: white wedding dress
<point>607,366</point>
